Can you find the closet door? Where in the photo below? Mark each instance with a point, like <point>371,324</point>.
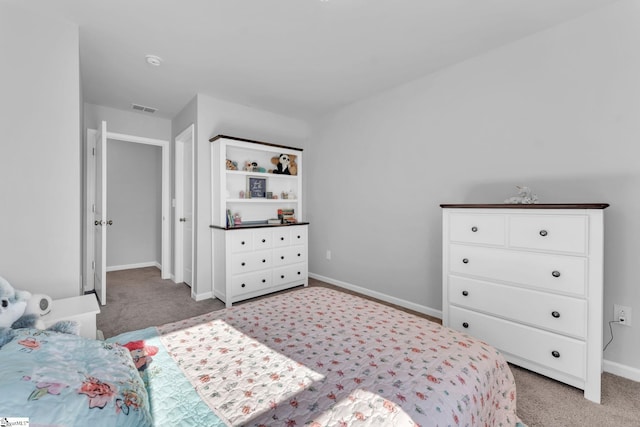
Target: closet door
<point>100,216</point>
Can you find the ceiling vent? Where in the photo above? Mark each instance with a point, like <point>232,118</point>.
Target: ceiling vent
<point>138,107</point>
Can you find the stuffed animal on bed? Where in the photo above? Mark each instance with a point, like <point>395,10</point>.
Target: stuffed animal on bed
<point>13,304</point>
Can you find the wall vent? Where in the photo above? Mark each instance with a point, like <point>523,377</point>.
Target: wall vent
<point>139,107</point>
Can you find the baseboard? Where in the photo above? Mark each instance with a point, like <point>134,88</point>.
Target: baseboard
<point>621,370</point>
<point>202,296</point>
<point>378,295</point>
<point>132,266</point>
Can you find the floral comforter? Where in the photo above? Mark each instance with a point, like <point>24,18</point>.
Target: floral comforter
<point>54,379</point>
<point>319,357</point>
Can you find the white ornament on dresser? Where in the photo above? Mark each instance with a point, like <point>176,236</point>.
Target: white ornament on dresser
<point>82,309</point>
<point>255,257</point>
<point>528,279</point>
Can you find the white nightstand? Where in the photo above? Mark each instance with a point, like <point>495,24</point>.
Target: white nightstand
<point>82,309</point>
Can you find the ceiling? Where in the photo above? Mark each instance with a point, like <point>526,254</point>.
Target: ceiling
<point>301,58</point>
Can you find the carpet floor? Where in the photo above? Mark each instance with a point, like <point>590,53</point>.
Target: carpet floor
<point>139,298</point>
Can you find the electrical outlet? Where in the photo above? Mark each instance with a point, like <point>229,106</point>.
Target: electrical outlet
<point>622,314</point>
<point>328,254</point>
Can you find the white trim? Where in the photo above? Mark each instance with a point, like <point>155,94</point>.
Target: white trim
<point>132,266</point>
<point>384,297</point>
<point>202,296</point>
<point>90,184</point>
<point>621,370</point>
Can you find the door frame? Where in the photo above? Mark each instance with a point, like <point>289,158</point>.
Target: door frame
<point>187,135</point>
<point>90,201</point>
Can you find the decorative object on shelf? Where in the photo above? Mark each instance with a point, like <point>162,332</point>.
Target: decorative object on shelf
<point>285,164</point>
<point>241,194</point>
<point>287,216</point>
<point>237,219</point>
<point>257,187</point>
<point>525,196</point>
<point>231,165</point>
<point>253,167</point>
<point>269,195</point>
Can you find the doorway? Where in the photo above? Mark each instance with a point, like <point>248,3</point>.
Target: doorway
<point>96,215</point>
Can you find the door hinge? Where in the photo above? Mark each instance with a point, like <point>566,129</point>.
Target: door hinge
<point>93,208</point>
<point>93,151</point>
<point>93,265</point>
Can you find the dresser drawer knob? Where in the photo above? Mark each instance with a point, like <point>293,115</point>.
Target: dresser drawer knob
<point>264,240</point>
<point>282,276</point>
<point>264,280</point>
<point>474,228</point>
<point>282,238</point>
<point>242,243</point>
<point>243,285</point>
<point>465,325</point>
<point>243,264</point>
<point>555,273</point>
<point>264,260</point>
<point>543,233</point>
<point>555,314</point>
<point>282,257</point>
<point>465,260</point>
<point>465,293</point>
<point>555,354</point>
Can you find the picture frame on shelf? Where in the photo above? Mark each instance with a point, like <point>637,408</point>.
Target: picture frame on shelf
<point>257,187</point>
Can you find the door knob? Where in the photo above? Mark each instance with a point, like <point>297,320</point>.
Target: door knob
<point>110,222</point>
<point>183,219</point>
<point>96,222</point>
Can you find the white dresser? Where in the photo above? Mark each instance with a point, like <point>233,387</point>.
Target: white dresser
<point>250,262</point>
<point>528,279</point>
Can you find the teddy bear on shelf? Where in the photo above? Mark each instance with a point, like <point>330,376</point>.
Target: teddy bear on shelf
<point>231,165</point>
<point>13,306</point>
<point>525,197</point>
<point>285,164</point>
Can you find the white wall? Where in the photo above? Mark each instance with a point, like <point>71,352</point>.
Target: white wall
<point>216,117</point>
<point>134,204</point>
<point>40,153</point>
<point>558,111</point>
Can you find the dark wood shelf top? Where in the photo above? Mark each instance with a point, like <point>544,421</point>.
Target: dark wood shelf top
<point>245,227</point>
<point>532,206</point>
<point>217,137</point>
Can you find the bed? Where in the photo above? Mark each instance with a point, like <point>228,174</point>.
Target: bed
<point>310,357</point>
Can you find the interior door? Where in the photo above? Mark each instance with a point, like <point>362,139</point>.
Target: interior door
<point>100,215</point>
<point>187,212</point>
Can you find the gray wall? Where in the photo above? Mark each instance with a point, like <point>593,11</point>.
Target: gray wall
<point>557,111</point>
<point>134,203</point>
<point>39,153</point>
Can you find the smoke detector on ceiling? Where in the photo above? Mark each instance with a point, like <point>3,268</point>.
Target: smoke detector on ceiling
<point>153,60</point>
<point>142,108</point>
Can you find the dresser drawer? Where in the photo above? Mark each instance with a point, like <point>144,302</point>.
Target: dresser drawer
<point>289,255</point>
<point>553,351</point>
<point>245,263</point>
<point>556,313</point>
<point>241,241</point>
<point>477,228</point>
<point>251,282</point>
<point>559,273</point>
<point>556,233</point>
<point>290,273</point>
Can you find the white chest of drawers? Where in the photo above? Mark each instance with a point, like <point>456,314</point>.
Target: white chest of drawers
<point>249,262</point>
<point>528,279</point>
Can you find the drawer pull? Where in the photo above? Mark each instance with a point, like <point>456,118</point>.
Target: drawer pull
<point>299,273</point>
<point>543,233</point>
<point>299,254</point>
<point>465,260</point>
<point>474,228</point>
<point>282,238</point>
<point>243,285</point>
<point>242,243</point>
<point>264,260</point>
<point>264,280</point>
<point>264,240</point>
<point>465,325</point>
<point>555,273</point>
<point>243,264</point>
<point>282,257</point>
<point>555,314</point>
<point>465,293</point>
<point>282,276</point>
<point>299,237</point>
<point>555,354</point>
